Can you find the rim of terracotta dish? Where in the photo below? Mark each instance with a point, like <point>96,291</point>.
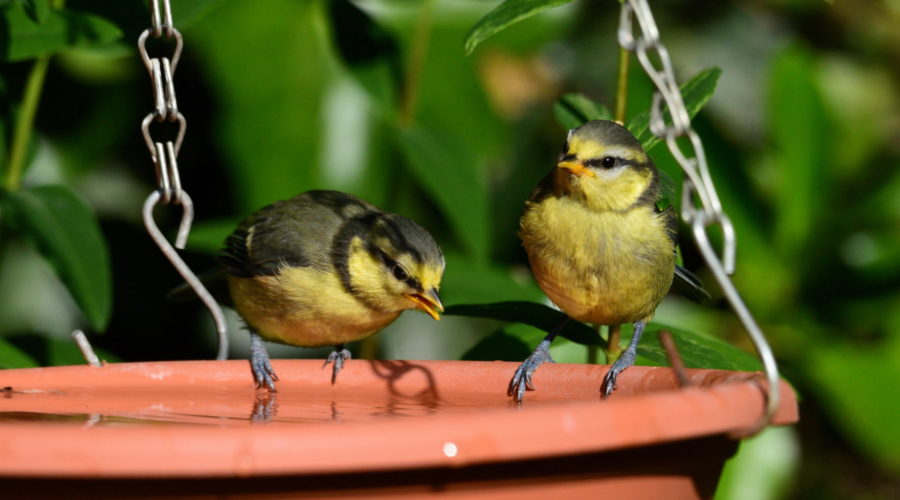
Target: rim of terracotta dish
<point>564,416</point>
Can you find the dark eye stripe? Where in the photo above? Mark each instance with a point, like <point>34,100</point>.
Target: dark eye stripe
<point>608,162</point>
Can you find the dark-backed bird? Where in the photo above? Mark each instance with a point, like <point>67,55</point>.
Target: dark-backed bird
<point>326,268</point>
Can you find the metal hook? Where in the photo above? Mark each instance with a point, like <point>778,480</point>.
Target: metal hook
<point>740,309</point>
<point>169,251</point>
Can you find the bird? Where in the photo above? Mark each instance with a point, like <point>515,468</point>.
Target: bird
<point>598,245</point>
<point>326,268</point>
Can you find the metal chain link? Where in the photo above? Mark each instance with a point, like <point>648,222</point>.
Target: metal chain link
<point>164,155</point>
<point>698,184</point>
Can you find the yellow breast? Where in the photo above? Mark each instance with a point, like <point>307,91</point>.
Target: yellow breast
<point>602,267</point>
<point>304,307</point>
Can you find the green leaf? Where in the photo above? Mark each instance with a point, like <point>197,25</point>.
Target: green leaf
<point>281,89</point>
<point>695,93</point>
<point>37,10</point>
<point>13,357</point>
<point>49,351</point>
<point>28,39</point>
<point>454,182</point>
<point>499,346</point>
<point>209,236</point>
<point>505,15</point>
<point>573,110</point>
<point>858,387</point>
<point>798,121</point>
<point>470,282</point>
<point>185,14</point>
<point>530,313</point>
<point>67,234</point>
<point>695,349</point>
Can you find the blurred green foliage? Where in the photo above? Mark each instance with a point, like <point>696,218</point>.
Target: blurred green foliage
<point>378,98</point>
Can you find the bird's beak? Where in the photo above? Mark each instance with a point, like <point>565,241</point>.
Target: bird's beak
<point>429,302</point>
<point>576,168</point>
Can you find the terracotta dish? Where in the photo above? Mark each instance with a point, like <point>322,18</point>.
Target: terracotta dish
<point>404,429</point>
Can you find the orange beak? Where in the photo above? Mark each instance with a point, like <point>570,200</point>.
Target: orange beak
<point>428,302</point>
<point>576,168</point>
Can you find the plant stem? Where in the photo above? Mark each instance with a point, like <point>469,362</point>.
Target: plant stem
<point>418,50</point>
<point>622,85</point>
<point>25,123</point>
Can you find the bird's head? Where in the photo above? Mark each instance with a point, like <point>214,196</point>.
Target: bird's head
<point>603,165</point>
<point>396,264</point>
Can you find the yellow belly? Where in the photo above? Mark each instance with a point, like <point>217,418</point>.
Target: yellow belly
<point>304,307</point>
<point>601,267</point>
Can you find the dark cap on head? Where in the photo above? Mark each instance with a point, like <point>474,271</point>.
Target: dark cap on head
<point>607,132</point>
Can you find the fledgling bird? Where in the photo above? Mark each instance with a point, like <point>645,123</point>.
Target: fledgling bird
<point>327,268</point>
<point>597,244</point>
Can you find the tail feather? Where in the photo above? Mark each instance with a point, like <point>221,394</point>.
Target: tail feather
<point>689,286</point>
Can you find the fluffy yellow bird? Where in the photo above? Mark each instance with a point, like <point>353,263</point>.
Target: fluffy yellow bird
<point>327,268</point>
<point>597,244</point>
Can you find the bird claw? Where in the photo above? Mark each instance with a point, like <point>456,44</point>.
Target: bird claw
<point>609,380</point>
<point>263,373</point>
<point>338,356</point>
<point>522,378</point>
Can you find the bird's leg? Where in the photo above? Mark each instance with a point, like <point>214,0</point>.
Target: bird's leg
<point>263,373</point>
<point>625,360</point>
<point>521,380</point>
<point>338,356</point>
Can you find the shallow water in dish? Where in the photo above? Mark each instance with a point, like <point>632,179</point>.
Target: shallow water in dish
<point>233,406</point>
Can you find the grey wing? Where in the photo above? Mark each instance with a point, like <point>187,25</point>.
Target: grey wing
<point>685,283</point>
<point>260,247</point>
<point>297,233</point>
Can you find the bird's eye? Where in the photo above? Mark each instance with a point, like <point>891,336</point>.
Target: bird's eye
<point>608,162</point>
<point>399,272</point>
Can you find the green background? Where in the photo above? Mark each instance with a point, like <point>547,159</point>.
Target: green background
<point>379,98</point>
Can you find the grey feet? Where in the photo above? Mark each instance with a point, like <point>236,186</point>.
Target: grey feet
<point>624,361</point>
<point>338,356</point>
<point>521,380</point>
<point>263,373</point>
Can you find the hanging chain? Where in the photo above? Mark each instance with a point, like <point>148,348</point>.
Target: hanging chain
<point>165,154</point>
<point>700,205</point>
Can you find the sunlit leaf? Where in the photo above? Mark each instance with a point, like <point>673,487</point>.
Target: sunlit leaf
<point>530,313</point>
<point>505,15</point>
<point>13,357</point>
<point>695,93</point>
<point>573,110</point>
<point>695,349</point>
<point>61,29</point>
<point>67,234</point>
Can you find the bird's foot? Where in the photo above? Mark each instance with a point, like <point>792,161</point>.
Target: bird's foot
<point>521,380</point>
<point>263,373</point>
<point>609,380</point>
<point>338,356</point>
